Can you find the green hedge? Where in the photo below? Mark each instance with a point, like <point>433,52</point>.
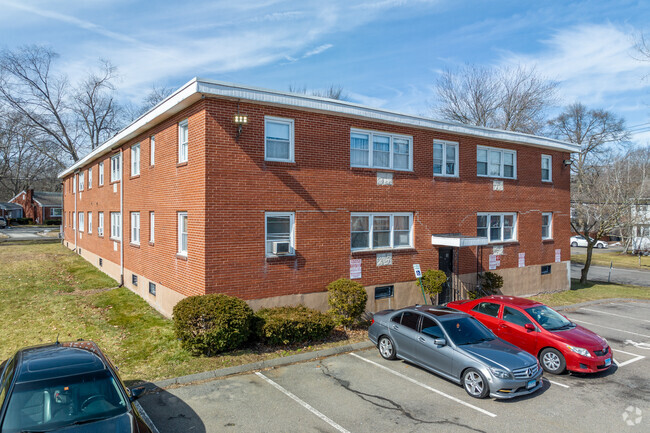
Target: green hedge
<point>52,222</point>
<point>287,325</point>
<point>347,300</point>
<point>210,324</point>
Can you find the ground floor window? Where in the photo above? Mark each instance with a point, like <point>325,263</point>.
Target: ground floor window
<point>135,227</point>
<point>182,233</point>
<point>497,227</point>
<point>381,231</point>
<point>279,233</point>
<point>116,226</point>
<point>547,219</point>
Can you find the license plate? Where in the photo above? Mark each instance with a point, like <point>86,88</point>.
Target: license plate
<point>531,384</point>
<point>608,361</point>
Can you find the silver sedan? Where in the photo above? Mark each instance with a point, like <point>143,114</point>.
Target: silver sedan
<point>458,347</point>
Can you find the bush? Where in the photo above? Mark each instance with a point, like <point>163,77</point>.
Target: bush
<point>287,325</point>
<point>347,300</point>
<point>210,324</point>
<point>433,280</point>
<point>22,221</point>
<point>52,222</point>
<point>490,285</point>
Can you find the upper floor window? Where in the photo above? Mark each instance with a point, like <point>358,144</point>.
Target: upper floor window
<point>152,227</point>
<point>101,173</point>
<point>116,172</point>
<point>116,226</point>
<point>494,162</point>
<point>90,178</point>
<point>278,139</point>
<point>182,141</point>
<point>547,174</point>
<point>547,225</point>
<point>74,184</point>
<point>152,150</point>
<point>81,221</point>
<point>497,227</point>
<point>381,231</point>
<point>135,228</point>
<point>135,160</point>
<point>380,150</point>
<point>81,181</point>
<point>445,158</point>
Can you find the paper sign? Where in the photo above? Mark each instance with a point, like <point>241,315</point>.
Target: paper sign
<point>558,256</point>
<point>418,272</point>
<point>495,261</point>
<point>355,269</point>
<point>522,260</point>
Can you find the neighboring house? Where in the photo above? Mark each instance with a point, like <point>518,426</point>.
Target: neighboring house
<point>269,196</point>
<point>11,210</point>
<point>40,206</point>
<point>641,231</point>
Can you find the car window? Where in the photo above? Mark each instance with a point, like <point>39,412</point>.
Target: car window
<point>410,320</point>
<point>467,330</point>
<point>548,318</point>
<point>514,316</point>
<point>5,380</point>
<point>396,318</point>
<point>489,308</point>
<point>431,328</point>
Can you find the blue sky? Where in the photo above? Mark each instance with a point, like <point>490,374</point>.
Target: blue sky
<point>385,54</point>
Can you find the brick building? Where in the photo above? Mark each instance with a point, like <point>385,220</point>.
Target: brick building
<point>40,206</point>
<point>192,198</point>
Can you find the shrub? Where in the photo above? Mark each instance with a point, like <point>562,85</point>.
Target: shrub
<point>22,221</point>
<point>347,300</point>
<point>287,325</point>
<point>52,222</point>
<point>209,324</point>
<point>490,285</point>
<point>432,281</point>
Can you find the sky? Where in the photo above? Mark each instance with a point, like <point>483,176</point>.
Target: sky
<point>384,54</point>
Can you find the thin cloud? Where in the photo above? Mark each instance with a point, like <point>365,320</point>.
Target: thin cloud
<point>317,50</point>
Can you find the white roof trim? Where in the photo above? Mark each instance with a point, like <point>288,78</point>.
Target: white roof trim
<point>197,87</point>
<point>17,195</point>
<point>458,241</point>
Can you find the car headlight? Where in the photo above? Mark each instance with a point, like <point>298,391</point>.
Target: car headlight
<point>579,350</point>
<point>499,373</point>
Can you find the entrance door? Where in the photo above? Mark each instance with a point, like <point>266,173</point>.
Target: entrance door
<point>446,265</point>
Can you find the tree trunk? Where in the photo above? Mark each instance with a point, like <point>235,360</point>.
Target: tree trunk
<point>585,270</point>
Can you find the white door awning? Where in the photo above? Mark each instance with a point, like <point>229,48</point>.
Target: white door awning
<point>458,241</point>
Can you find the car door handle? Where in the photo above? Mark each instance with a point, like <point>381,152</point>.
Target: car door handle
<point>503,326</point>
<point>394,326</point>
<point>421,339</point>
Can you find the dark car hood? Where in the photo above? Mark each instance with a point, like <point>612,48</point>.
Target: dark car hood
<point>500,354</point>
<point>581,337</point>
<point>125,423</point>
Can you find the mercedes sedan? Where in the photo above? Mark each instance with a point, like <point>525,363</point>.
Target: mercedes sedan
<point>458,347</point>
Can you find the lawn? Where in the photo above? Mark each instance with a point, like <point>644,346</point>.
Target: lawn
<point>592,291</point>
<point>619,260</point>
<point>48,291</point>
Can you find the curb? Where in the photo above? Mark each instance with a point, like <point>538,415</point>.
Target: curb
<point>261,365</point>
<point>598,302</point>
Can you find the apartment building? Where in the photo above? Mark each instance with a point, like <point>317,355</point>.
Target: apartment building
<point>269,196</point>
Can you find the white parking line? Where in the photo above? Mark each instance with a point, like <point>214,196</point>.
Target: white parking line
<point>557,383</point>
<point>302,403</point>
<point>629,361</point>
<point>612,314</point>
<point>146,418</point>
<point>613,329</point>
<point>483,411</point>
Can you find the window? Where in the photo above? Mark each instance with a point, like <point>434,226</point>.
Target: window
<point>547,225</point>
<point>90,222</point>
<point>182,141</point>
<point>116,173</point>
<point>152,225</point>
<point>278,139</point>
<point>116,226</point>
<point>90,178</point>
<point>81,181</point>
<point>410,320</point>
<point>152,150</point>
<point>514,316</point>
<point>384,292</point>
<point>497,227</point>
<point>134,280</point>
<point>152,288</point>
<point>431,328</point>
<point>493,162</point>
<point>55,212</point>
<point>100,223</point>
<point>488,308</point>
<point>81,221</point>
<point>546,269</point>
<point>74,221</point>
<point>547,174</point>
<point>380,150</point>
<point>101,173</point>
<point>279,228</point>
<point>380,231</point>
<point>445,158</point>
<point>182,233</point>
<point>135,160</point>
<point>135,228</point>
<point>74,184</point>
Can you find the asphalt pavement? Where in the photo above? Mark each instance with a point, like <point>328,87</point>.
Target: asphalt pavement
<point>618,275</point>
<point>26,233</point>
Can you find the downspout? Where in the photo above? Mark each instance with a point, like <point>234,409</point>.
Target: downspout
<point>121,218</point>
<point>76,222</point>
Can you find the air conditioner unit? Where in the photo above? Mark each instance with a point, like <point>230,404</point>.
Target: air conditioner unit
<point>281,248</point>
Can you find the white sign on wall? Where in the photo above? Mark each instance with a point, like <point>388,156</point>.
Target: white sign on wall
<point>355,269</point>
<point>495,261</point>
<point>558,256</point>
<point>498,250</point>
<point>384,259</point>
<point>522,260</point>
<point>497,185</point>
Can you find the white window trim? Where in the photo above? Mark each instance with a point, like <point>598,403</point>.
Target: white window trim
<point>90,222</point>
<point>291,124</point>
<point>392,216</point>
<point>152,150</point>
<point>101,173</point>
<point>74,221</point>
<point>100,223</point>
<point>550,225</point>
<point>183,158</point>
<point>503,152</point>
<point>135,160</point>
<point>81,224</point>
<point>152,227</point>
<point>292,235</point>
<point>179,234</point>
<point>515,226</point>
<point>81,181</point>
<point>116,174</point>
<point>118,235</point>
<point>371,149</point>
<point>90,178</point>
<point>550,168</point>
<point>135,228</point>
<point>444,144</point>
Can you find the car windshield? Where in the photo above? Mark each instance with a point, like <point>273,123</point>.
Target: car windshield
<point>548,318</point>
<point>467,330</point>
<point>54,403</point>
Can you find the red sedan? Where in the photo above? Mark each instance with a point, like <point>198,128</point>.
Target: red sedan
<point>557,342</point>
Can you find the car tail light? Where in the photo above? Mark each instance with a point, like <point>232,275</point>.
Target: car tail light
<point>372,321</point>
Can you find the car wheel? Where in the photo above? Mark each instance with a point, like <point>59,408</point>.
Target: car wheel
<point>475,384</point>
<point>552,361</point>
<point>599,246</point>
<point>386,348</point>
<point>574,244</point>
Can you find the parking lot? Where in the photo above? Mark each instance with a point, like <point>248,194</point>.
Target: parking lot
<point>362,392</point>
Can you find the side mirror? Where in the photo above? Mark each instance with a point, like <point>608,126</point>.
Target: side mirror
<point>529,327</point>
<point>440,342</point>
<point>136,393</point>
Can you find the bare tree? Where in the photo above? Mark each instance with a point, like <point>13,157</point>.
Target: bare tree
<point>158,93</point>
<point>514,99</point>
<point>334,91</point>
